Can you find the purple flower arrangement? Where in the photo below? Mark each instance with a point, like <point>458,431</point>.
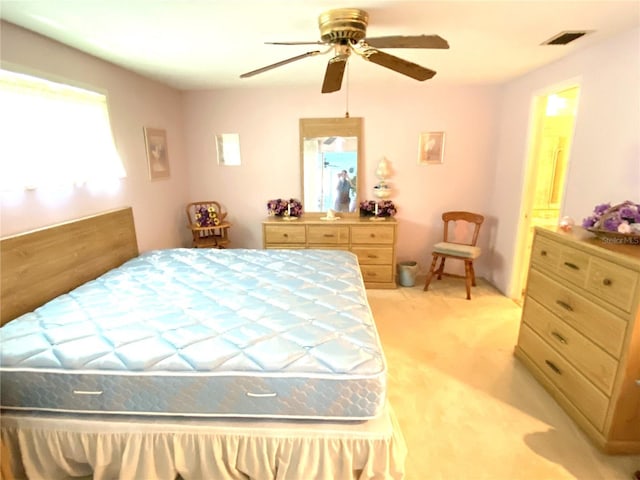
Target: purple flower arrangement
<point>285,208</point>
<point>622,218</point>
<point>385,208</point>
<point>207,217</point>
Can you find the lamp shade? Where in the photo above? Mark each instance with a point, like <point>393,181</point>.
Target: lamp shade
<point>382,171</point>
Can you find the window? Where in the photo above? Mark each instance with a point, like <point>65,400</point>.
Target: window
<point>53,134</point>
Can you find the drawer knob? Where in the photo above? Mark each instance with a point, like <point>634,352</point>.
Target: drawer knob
<point>285,235</point>
<point>373,235</point>
<point>372,256</point>
<point>559,337</point>
<point>543,253</point>
<point>572,265</point>
<point>607,282</point>
<point>329,235</point>
<point>565,305</point>
<point>553,367</point>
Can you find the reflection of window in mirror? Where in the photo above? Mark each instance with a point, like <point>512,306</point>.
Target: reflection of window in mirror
<point>228,146</point>
<point>334,161</point>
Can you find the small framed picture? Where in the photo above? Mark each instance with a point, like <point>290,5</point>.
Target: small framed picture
<point>157,153</point>
<point>431,148</point>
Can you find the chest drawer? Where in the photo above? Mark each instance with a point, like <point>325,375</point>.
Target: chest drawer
<point>573,265</point>
<point>587,398</point>
<point>544,254</point>
<point>378,234</point>
<point>591,360</point>
<point>374,255</point>
<point>613,283</point>
<point>328,235</point>
<point>594,322</point>
<point>289,234</point>
<point>377,273</point>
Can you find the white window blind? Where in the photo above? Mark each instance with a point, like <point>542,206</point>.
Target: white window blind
<point>53,134</point>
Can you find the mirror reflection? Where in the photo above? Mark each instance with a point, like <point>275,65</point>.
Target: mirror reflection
<point>330,162</point>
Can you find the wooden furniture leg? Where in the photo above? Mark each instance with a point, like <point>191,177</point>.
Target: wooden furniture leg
<point>430,273</point>
<point>441,269</point>
<point>467,277</point>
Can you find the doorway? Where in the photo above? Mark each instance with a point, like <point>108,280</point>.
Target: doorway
<point>553,125</point>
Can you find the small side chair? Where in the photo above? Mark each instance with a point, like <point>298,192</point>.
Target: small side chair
<point>209,228</point>
<point>467,251</point>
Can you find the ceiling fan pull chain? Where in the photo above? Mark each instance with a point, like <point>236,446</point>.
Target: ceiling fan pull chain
<point>346,115</point>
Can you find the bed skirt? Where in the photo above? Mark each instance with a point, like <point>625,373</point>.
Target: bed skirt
<point>51,446</point>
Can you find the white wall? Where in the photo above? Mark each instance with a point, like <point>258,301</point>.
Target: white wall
<point>487,133</point>
<point>267,121</point>
<point>604,164</point>
<point>134,102</point>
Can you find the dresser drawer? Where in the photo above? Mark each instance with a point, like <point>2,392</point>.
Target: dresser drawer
<point>369,234</point>
<point>285,234</point>
<point>374,255</point>
<point>377,273</point>
<point>545,254</point>
<point>573,265</point>
<point>586,397</point>
<point>593,321</point>
<point>589,359</point>
<point>612,283</point>
<point>328,235</point>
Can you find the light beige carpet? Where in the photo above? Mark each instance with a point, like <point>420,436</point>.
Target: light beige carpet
<point>468,409</point>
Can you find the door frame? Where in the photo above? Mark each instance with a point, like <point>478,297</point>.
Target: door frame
<point>535,124</point>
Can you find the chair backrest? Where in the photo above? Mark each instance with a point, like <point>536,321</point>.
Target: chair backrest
<point>193,207</point>
<point>469,217</point>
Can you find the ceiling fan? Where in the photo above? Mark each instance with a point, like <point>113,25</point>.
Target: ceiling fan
<point>344,30</point>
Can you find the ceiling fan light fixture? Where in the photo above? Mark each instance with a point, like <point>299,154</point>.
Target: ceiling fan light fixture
<point>343,24</point>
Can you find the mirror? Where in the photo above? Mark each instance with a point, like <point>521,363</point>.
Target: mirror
<point>228,147</point>
<point>330,156</point>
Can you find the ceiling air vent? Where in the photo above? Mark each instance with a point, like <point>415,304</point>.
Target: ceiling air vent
<point>563,38</point>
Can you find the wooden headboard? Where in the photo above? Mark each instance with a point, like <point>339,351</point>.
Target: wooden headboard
<point>39,265</point>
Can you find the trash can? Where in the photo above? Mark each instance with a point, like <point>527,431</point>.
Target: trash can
<point>407,273</point>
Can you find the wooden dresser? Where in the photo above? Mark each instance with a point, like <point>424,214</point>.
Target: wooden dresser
<point>373,242</point>
<point>580,333</point>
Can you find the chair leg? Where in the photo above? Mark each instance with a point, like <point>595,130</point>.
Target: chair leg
<point>430,273</point>
<point>441,268</point>
<point>467,277</point>
<point>473,274</point>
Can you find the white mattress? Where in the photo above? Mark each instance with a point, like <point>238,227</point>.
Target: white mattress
<point>199,332</point>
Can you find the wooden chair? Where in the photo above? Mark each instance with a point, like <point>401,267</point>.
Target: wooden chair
<point>465,251</point>
<point>209,228</point>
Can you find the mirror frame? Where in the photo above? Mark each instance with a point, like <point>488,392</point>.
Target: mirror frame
<point>333,127</point>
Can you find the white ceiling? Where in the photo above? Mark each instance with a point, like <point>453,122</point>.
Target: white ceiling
<point>202,44</point>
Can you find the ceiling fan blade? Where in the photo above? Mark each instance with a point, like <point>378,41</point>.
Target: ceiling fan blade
<point>399,65</point>
<point>279,64</point>
<point>416,41</point>
<point>334,73</point>
<point>317,42</point>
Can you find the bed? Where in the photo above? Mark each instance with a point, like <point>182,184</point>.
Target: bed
<point>257,359</point>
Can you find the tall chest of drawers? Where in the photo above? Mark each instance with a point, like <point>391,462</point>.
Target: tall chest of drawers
<point>580,333</point>
<point>374,243</point>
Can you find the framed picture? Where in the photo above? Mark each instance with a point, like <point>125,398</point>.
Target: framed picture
<point>155,140</point>
<point>431,148</point>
